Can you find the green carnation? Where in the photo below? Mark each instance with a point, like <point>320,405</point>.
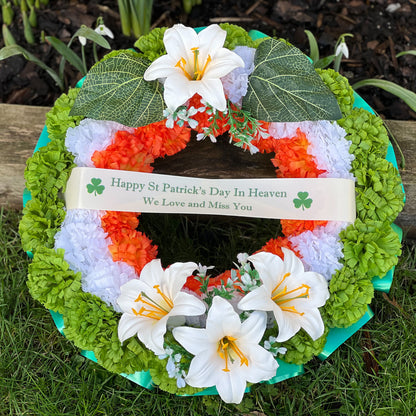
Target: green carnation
<point>58,119</point>
<point>92,325</point>
<point>40,222</point>
<point>87,318</point>
<point>237,36</point>
<point>151,45</point>
<point>48,170</point>
<point>366,132</point>
<point>301,348</point>
<point>340,87</point>
<point>379,192</point>
<point>50,280</point>
<point>370,247</point>
<point>350,293</point>
<point>161,378</point>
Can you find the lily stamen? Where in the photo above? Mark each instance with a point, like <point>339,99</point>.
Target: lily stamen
<point>200,74</point>
<point>277,297</point>
<point>164,297</point>
<point>224,346</point>
<point>181,64</point>
<point>154,310</point>
<point>291,309</point>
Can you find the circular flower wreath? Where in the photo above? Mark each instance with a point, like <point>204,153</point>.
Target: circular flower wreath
<point>188,329</point>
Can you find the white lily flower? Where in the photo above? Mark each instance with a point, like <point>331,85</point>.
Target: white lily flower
<point>292,294</point>
<point>194,64</point>
<point>227,352</point>
<point>103,30</point>
<point>147,303</point>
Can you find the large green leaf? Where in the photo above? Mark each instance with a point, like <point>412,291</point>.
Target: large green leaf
<point>284,86</point>
<point>114,89</point>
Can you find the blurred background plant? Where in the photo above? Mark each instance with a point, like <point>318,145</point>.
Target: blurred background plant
<point>83,34</point>
<point>11,10</point>
<point>340,50</point>
<point>136,15</point>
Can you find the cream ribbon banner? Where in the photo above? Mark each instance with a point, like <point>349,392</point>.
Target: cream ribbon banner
<point>297,199</point>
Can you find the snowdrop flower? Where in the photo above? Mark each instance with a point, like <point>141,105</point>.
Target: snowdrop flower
<point>342,49</point>
<point>194,64</point>
<point>292,294</point>
<point>103,30</point>
<point>149,302</point>
<point>227,352</point>
<point>82,40</point>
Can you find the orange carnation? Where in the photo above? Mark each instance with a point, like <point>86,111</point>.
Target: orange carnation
<point>293,160</point>
<point>125,153</point>
<point>296,227</point>
<point>114,221</point>
<point>132,247</point>
<point>159,140</point>
<point>274,245</point>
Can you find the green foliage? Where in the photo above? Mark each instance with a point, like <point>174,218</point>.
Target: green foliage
<point>50,280</point>
<point>12,50</point>
<point>114,89</point>
<point>340,87</point>
<point>409,97</point>
<point>285,87</point>
<point>151,45</point>
<point>135,16</point>
<point>350,293</point>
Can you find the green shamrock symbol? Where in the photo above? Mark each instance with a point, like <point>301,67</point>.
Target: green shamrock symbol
<point>303,200</point>
<point>95,186</point>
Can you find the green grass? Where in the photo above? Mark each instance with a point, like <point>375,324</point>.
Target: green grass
<point>41,373</point>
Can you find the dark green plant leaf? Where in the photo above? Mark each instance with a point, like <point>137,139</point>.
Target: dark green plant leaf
<point>284,86</point>
<point>12,50</point>
<point>409,97</point>
<point>67,53</point>
<point>324,62</point>
<point>114,89</point>
<point>313,46</point>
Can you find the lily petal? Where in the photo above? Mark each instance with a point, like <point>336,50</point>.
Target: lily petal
<point>176,275</point>
<point>187,305</point>
<point>163,67</point>
<point>257,300</point>
<point>204,370</point>
<point>211,39</point>
<point>177,89</point>
<point>178,39</point>
<point>212,91</point>
<point>223,62</point>
<point>192,339</point>
<point>231,389</point>
<point>253,327</point>
<point>127,327</point>
<point>222,319</point>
